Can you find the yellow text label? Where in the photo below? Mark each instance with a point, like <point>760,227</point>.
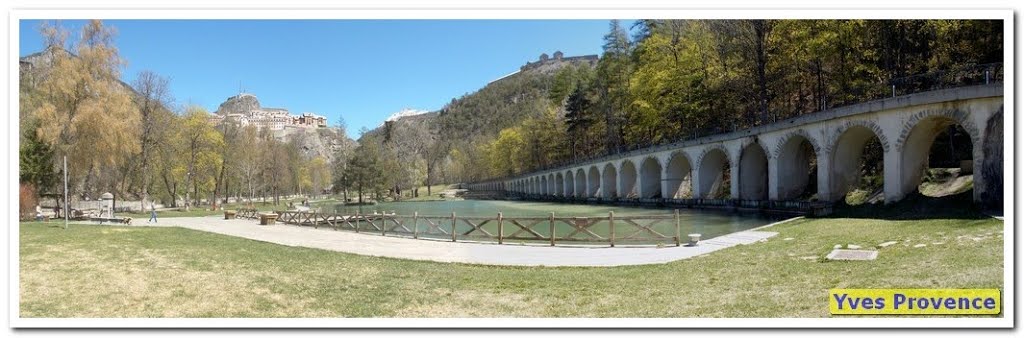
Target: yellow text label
<point>914,301</point>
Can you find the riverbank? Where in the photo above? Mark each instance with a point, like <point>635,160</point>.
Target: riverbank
<point>99,271</point>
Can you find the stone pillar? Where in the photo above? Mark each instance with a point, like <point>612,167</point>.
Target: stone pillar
<point>618,183</point>
<point>825,176</point>
<point>894,190</point>
<point>978,157</point>
<point>552,186</point>
<point>588,191</point>
<point>734,178</point>
<point>773,178</point>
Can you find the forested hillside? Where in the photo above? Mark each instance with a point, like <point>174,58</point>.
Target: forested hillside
<point>444,146</point>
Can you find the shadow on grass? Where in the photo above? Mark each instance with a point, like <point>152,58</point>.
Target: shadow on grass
<point>915,207</point>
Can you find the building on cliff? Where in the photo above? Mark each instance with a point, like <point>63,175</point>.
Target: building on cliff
<point>245,110</point>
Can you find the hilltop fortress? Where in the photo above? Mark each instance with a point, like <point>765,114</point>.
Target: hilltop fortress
<point>245,110</point>
<point>557,60</point>
<point>550,64</point>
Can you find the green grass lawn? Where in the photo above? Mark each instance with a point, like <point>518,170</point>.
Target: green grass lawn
<point>102,271</point>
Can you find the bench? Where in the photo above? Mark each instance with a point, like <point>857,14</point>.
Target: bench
<point>268,218</point>
<point>80,215</point>
<point>230,214</point>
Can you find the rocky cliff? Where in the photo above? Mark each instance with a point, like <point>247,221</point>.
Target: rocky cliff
<point>322,142</point>
<point>239,104</point>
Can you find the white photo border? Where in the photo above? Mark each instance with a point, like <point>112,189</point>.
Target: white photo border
<point>1009,296</point>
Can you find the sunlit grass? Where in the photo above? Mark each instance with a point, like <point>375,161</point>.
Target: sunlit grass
<point>101,271</point>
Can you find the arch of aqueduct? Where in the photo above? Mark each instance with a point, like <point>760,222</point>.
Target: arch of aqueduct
<point>771,162</point>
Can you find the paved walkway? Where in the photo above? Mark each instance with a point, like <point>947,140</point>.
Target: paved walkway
<point>458,252</point>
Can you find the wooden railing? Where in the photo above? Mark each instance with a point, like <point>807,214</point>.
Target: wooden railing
<point>247,213</point>
<point>551,230</point>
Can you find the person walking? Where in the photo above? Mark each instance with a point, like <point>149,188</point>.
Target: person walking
<point>152,213</point>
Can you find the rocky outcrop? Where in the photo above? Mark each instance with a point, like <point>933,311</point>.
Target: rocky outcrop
<point>239,104</point>
<point>324,142</point>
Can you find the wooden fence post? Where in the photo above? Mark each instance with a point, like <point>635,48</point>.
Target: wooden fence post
<point>551,218</point>
<point>676,213</point>
<point>453,226</point>
<point>357,221</point>
<point>415,224</point>
<point>501,229</point>
<point>383,223</point>
<point>611,226</point>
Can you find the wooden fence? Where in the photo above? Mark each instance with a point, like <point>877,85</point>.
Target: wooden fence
<point>610,230</point>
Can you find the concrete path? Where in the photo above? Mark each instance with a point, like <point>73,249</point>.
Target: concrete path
<point>458,252</point>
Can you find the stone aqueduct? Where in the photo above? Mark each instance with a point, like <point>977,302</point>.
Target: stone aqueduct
<point>772,162</point>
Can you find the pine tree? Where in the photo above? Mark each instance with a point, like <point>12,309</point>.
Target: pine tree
<point>35,159</point>
<point>577,119</point>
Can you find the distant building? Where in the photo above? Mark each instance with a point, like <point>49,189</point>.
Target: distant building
<point>310,119</point>
<point>549,64</point>
<point>559,58</point>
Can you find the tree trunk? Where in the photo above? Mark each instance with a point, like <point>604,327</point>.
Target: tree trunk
<point>195,193</point>
<point>170,191</point>
<point>429,171</point>
<point>113,202</point>
<point>359,190</point>
<point>277,198</point>
<point>216,185</point>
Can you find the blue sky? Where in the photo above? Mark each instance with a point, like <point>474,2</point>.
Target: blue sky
<point>363,70</point>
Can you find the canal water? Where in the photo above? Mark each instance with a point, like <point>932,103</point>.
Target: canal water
<point>708,223</point>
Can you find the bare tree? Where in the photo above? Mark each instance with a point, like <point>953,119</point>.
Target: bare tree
<point>152,101</point>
